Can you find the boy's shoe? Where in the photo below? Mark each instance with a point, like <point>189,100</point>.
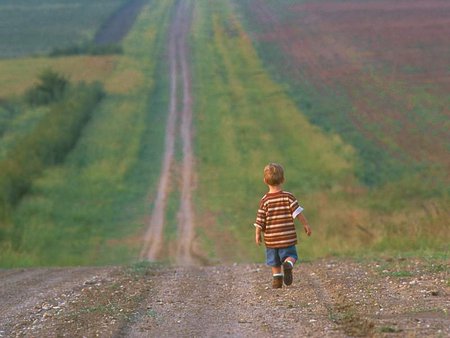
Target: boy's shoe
<point>287,269</point>
<point>277,282</point>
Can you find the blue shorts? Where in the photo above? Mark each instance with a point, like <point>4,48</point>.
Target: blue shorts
<point>276,257</point>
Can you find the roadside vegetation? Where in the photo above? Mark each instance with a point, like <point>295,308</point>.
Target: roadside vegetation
<point>50,140</point>
<point>91,208</point>
<point>87,49</point>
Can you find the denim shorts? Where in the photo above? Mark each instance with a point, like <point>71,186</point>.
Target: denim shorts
<point>276,257</point>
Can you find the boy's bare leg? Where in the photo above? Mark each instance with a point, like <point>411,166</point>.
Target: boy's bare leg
<point>276,270</point>
<point>277,281</point>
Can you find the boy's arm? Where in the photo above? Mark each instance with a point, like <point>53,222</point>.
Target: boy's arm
<point>258,235</point>
<point>305,223</point>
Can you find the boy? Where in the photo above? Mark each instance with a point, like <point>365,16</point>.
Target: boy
<point>275,217</point>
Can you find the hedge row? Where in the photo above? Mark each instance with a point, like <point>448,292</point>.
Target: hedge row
<point>47,144</point>
<point>87,49</point>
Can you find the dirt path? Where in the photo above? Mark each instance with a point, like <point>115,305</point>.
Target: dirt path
<point>179,77</point>
<point>329,298</point>
<point>186,217</point>
<point>25,293</point>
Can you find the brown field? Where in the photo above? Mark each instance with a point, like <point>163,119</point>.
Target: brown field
<point>17,75</point>
<point>389,59</point>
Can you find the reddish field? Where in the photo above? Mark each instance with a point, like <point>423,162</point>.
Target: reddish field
<point>389,59</point>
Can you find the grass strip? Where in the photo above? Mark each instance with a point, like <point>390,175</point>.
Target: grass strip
<point>47,145</point>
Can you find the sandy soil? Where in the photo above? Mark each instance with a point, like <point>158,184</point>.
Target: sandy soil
<point>329,298</point>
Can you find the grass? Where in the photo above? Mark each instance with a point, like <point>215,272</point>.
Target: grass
<point>36,27</point>
<point>245,120</point>
<point>389,329</point>
<point>91,209</point>
<point>16,124</point>
<point>375,107</point>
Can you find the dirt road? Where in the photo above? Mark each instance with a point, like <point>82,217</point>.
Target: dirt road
<point>329,298</point>
<point>180,82</point>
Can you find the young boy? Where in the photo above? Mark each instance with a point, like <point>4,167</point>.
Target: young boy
<point>275,217</point>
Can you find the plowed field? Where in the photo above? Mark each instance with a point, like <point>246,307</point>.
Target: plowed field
<point>388,61</point>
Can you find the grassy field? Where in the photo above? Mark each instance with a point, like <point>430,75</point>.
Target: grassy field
<point>244,120</point>
<point>36,27</point>
<point>256,100</point>
<point>17,75</point>
<point>91,209</point>
<point>374,72</point>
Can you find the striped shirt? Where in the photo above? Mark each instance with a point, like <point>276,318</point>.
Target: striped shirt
<point>275,217</point>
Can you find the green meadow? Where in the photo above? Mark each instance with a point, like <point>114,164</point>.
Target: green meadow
<point>244,119</point>
<point>91,207</point>
<point>37,27</point>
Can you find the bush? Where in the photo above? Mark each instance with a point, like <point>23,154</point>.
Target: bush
<point>89,49</point>
<point>51,88</point>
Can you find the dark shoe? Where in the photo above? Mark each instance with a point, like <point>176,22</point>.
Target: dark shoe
<point>277,282</point>
<point>287,269</point>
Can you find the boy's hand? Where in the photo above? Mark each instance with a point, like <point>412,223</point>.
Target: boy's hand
<point>307,229</point>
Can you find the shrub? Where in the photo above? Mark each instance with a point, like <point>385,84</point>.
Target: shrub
<point>51,88</point>
<point>89,49</point>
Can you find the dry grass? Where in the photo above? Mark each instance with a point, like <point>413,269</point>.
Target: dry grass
<point>17,75</point>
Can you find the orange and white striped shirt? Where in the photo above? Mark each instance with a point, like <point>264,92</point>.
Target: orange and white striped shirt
<point>275,217</point>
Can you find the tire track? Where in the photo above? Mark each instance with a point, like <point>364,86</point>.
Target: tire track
<point>179,76</point>
<point>186,224</point>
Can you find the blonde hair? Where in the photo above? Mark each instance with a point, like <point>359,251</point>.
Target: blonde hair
<point>273,174</point>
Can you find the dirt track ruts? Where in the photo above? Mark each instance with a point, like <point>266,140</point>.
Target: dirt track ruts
<point>179,75</point>
<point>328,298</point>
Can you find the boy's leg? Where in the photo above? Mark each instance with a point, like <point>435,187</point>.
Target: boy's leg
<point>289,256</point>
<point>277,275</point>
<point>291,260</point>
<point>276,270</point>
<point>273,260</point>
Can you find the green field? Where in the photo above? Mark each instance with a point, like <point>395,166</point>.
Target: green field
<point>91,209</point>
<point>245,119</point>
<point>37,27</point>
<point>379,88</point>
<point>92,206</point>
